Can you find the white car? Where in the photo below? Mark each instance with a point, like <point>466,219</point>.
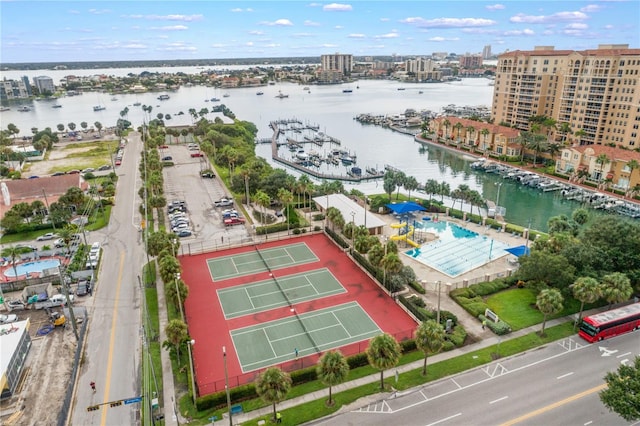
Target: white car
<point>59,243</point>
<point>46,237</point>
<point>60,299</point>
<point>6,319</point>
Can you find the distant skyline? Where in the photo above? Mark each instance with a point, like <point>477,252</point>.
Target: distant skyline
<point>76,31</point>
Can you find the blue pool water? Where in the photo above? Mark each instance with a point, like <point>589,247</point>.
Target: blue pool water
<point>457,250</point>
<point>31,267</point>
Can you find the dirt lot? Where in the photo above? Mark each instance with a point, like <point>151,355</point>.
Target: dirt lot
<point>64,158</point>
<point>47,372</point>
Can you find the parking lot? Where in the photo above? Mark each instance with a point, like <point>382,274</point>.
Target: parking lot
<point>183,182</point>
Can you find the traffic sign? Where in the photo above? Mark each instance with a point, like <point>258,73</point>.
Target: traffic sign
<point>133,400</point>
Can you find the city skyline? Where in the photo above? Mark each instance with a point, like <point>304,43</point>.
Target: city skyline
<point>76,31</point>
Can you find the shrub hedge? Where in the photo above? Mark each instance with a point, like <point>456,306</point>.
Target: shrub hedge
<point>500,328</point>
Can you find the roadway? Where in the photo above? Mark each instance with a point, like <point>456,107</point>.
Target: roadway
<point>557,384</point>
<point>112,349</point>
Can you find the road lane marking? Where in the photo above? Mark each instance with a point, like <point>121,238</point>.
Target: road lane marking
<point>498,400</point>
<point>112,339</point>
<point>554,405</point>
<point>564,375</point>
<point>624,354</point>
<point>588,423</point>
<point>445,419</point>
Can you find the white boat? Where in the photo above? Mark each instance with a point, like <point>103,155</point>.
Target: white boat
<point>99,108</point>
<point>260,93</point>
<point>226,95</point>
<point>281,95</point>
<point>163,97</point>
<point>114,99</point>
<point>24,109</point>
<point>57,106</point>
<point>4,108</point>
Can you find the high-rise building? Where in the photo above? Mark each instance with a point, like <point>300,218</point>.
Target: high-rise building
<point>15,89</point>
<point>44,84</point>
<point>422,69</point>
<point>337,62</point>
<point>470,61</point>
<point>596,92</point>
<point>486,52</point>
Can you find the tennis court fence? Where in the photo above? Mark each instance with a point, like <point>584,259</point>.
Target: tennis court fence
<point>293,365</point>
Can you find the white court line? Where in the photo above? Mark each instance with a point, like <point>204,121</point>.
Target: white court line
<point>564,375</point>
<point>264,330</point>
<point>341,324</point>
<point>623,355</point>
<point>456,383</point>
<point>249,297</point>
<point>498,400</point>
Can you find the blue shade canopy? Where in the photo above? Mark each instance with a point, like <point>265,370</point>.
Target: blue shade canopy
<point>518,251</point>
<point>406,207</point>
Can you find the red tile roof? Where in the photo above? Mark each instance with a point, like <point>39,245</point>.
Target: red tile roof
<point>615,154</point>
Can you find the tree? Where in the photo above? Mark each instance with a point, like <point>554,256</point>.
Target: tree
<point>383,353</point>
<point>177,334</point>
<point>98,125</point>
<point>431,187</point>
<point>602,159</point>
<point>429,339</point>
<point>389,185</point>
<point>616,288</point>
<point>446,123</point>
<point>585,290</point>
<point>547,269</point>
<point>13,253</point>
<point>445,190</point>
<point>622,394</point>
<point>484,132</point>
<point>332,369</point>
<point>286,197</point>
<point>273,385</point>
<point>564,129</point>
<point>60,127</point>
<point>263,200</point>
<point>71,126</point>
<point>391,263</point>
<point>458,128</point>
<point>579,134</point>
<point>410,184</point>
<point>549,302</point>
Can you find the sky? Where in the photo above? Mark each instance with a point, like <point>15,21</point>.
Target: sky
<point>71,31</point>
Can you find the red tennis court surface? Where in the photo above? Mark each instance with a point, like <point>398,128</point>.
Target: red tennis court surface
<point>210,330</point>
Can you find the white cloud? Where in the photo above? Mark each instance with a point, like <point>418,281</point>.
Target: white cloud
<point>384,19</point>
<point>135,46</point>
<point>449,22</point>
<point>304,35</point>
<point>99,11</point>
<point>525,32</point>
<point>170,28</point>
<point>249,43</point>
<point>495,7</point>
<point>356,36</point>
<point>256,32</point>
<point>577,26</point>
<point>278,23</point>
<point>240,10</point>
<point>309,23</point>
<point>183,18</point>
<point>219,46</point>
<point>177,47</point>
<point>608,27</point>
<point>74,12</point>
<point>479,30</point>
<point>441,39</point>
<point>388,35</point>
<point>544,19</point>
<point>272,45</point>
<point>591,8</point>
<point>337,7</point>
<point>338,27</point>
<point>329,45</point>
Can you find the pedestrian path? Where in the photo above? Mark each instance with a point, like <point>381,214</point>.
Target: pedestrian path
<point>416,365</point>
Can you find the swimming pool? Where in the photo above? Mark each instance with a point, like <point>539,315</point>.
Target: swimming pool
<point>31,267</point>
<point>457,250</point>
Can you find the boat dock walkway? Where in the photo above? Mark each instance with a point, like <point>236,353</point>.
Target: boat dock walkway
<point>275,143</point>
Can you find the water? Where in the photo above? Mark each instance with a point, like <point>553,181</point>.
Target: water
<point>29,268</point>
<point>334,112</point>
<point>457,250</point>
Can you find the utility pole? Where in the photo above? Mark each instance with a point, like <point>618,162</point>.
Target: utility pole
<point>65,289</point>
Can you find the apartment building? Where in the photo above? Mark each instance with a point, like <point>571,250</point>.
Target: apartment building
<point>596,92</point>
<point>470,61</point>
<point>44,84</point>
<point>337,62</point>
<point>422,69</point>
<point>15,89</point>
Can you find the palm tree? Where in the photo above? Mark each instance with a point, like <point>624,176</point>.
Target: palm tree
<point>579,134</point>
<point>410,184</point>
<point>602,159</point>
<point>431,187</point>
<point>564,129</point>
<point>445,189</point>
<point>616,288</point>
<point>484,132</point>
<point>399,179</point>
<point>98,125</point>
<point>585,290</point>
<point>549,302</point>
<point>390,263</point>
<point>471,131</point>
<point>273,385</point>
<point>263,200</point>
<point>632,165</point>
<point>429,339</point>
<point>286,197</point>
<point>383,353</point>
<point>177,334</point>
<point>332,369</point>
<point>13,253</point>
<point>446,123</point>
<point>458,127</point>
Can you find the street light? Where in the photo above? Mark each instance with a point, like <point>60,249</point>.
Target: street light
<point>353,229</point>
<point>498,195</point>
<point>226,384</point>
<point>193,378</point>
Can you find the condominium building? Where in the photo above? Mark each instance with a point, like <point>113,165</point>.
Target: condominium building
<point>15,89</point>
<point>486,52</point>
<point>422,69</point>
<point>44,84</point>
<point>337,62</point>
<point>596,92</point>
<point>470,61</point>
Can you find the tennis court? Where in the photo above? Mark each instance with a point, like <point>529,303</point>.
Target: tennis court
<point>260,261</point>
<point>274,342</point>
<point>263,295</point>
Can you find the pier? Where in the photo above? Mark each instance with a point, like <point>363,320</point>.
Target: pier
<point>318,139</point>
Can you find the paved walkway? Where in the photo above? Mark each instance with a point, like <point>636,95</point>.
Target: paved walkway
<point>414,366</point>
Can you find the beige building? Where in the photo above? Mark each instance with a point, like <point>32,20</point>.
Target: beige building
<point>421,69</point>
<point>477,136</point>
<point>337,62</point>
<point>596,92</point>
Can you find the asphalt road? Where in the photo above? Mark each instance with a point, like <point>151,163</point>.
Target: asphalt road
<point>112,356</point>
<point>554,385</point>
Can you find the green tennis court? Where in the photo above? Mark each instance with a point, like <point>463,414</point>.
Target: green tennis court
<point>263,295</point>
<point>253,262</point>
<point>274,342</point>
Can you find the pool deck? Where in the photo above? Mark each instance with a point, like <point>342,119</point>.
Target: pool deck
<point>9,267</point>
<point>430,277</point>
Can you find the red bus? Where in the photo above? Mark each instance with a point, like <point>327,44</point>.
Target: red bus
<point>611,323</point>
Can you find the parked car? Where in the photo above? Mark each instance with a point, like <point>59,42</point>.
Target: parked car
<point>207,174</point>
<point>104,167</point>
<point>46,237</point>
<point>7,319</point>
<point>59,243</point>
<point>118,162</point>
<point>73,172</point>
<point>88,170</point>
<point>197,154</point>
<point>59,174</point>
<point>84,288</point>
<point>234,221</point>
<point>163,146</point>
<point>60,299</point>
<point>16,305</point>
<point>223,202</point>
<point>167,158</point>
<point>184,233</point>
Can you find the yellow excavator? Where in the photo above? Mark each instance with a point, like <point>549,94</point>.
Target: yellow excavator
<point>56,318</point>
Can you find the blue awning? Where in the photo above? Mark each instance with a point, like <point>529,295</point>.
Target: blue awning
<point>519,251</point>
<point>406,207</point>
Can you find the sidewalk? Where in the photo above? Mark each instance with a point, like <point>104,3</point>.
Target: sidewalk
<point>414,366</point>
